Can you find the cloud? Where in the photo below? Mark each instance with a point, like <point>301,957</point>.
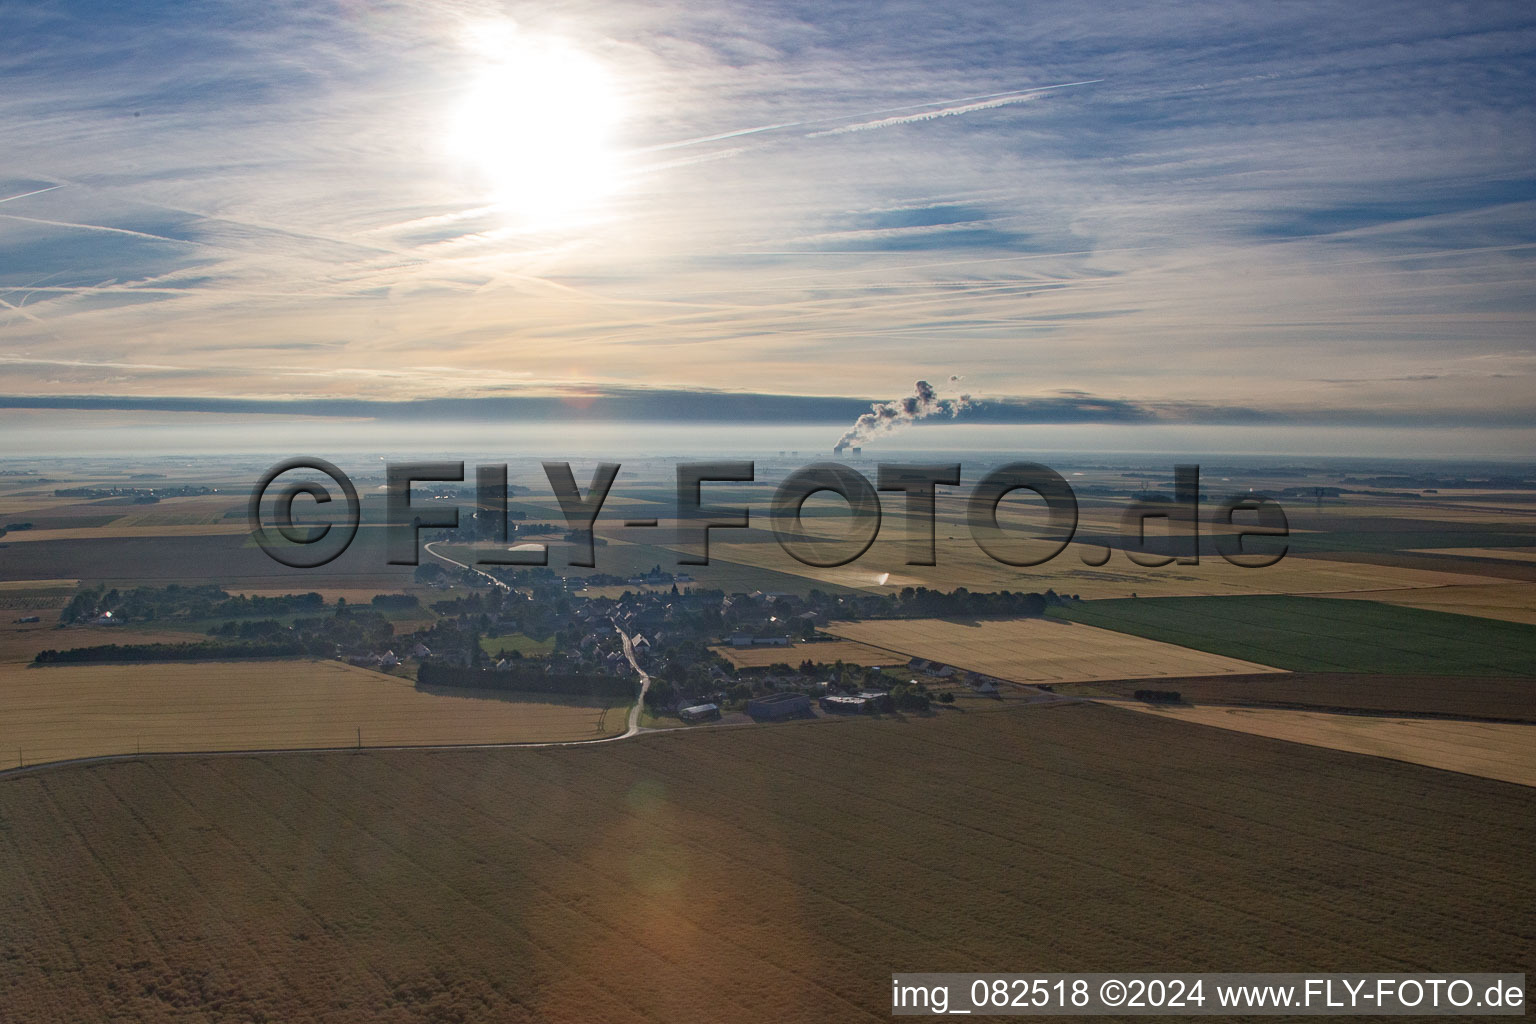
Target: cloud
<point>1248,202</point>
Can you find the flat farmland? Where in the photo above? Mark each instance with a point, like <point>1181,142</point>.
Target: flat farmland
<point>1492,750</point>
<point>1512,602</point>
<point>230,559</point>
<point>20,641</point>
<point>118,531</point>
<point>1322,635</point>
<point>962,564</point>
<point>1037,650</point>
<point>1506,698</point>
<point>625,558</point>
<point>34,595</point>
<point>775,874</point>
<point>68,711</point>
<point>1498,554</point>
<point>825,652</point>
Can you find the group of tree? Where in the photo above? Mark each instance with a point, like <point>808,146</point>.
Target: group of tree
<point>524,679</point>
<point>347,631</point>
<point>193,651</point>
<point>1160,696</point>
<point>175,601</point>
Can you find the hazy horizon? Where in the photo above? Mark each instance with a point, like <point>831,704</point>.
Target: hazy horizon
<point>510,440</point>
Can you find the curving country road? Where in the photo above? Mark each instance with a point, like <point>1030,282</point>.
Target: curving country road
<point>444,558</point>
<point>645,684</point>
<point>629,654</point>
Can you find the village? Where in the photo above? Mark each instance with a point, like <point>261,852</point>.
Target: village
<point>709,654</point>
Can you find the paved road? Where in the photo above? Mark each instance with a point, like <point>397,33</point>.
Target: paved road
<point>444,558</point>
<point>645,683</point>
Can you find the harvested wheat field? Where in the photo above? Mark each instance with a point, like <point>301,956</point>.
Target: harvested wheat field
<point>1511,602</point>
<point>1501,554</point>
<point>55,713</point>
<point>1493,750</point>
<point>1037,650</point>
<point>822,652</point>
<point>66,586</point>
<point>744,875</point>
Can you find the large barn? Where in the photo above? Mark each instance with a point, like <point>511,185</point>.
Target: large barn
<point>779,705</point>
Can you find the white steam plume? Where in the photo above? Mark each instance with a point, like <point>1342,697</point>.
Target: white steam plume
<point>884,417</point>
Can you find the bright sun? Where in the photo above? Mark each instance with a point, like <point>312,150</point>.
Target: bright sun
<point>536,126</point>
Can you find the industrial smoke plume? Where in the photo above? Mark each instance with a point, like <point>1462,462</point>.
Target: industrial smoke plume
<point>884,417</point>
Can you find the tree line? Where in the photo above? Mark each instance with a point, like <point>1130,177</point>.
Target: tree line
<point>521,680</point>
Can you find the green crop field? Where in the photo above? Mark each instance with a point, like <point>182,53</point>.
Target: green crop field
<point>776,873</point>
<point>1321,635</point>
<point>527,646</point>
<point>1491,698</point>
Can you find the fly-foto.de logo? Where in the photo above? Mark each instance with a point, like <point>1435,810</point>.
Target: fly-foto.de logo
<point>1246,530</point>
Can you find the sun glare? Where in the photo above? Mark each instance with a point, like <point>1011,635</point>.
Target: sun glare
<point>536,127</point>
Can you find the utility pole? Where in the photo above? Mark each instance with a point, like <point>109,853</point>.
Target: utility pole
<point>359,737</point>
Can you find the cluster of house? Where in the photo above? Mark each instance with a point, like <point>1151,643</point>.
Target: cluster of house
<point>774,706</point>
<point>658,577</point>
<point>977,681</point>
<point>388,659</point>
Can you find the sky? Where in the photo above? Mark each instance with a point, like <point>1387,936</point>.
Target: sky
<point>1309,221</point>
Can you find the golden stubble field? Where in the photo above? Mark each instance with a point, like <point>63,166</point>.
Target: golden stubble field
<point>1501,554</point>
<point>775,874</point>
<point>1493,750</point>
<point>1512,602</point>
<point>67,711</point>
<point>1039,650</point>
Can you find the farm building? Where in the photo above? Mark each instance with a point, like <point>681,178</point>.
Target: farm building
<point>847,705</point>
<point>743,640</point>
<point>779,705</point>
<point>699,713</point>
<point>981,683</point>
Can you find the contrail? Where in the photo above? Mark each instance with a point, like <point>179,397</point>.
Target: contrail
<point>884,417</point>
<point>929,115</point>
<point>17,309</point>
<point>36,192</point>
<point>1015,93</point>
<point>96,227</point>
